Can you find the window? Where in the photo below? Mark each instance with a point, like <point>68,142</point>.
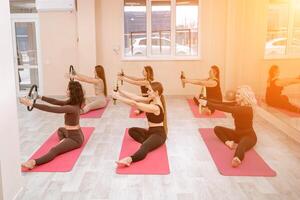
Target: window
<point>161,29</point>
<point>283,34</point>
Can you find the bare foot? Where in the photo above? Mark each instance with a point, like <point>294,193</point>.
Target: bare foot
<point>231,144</point>
<point>125,162</point>
<point>138,112</point>
<point>30,164</point>
<point>236,162</point>
<point>204,110</point>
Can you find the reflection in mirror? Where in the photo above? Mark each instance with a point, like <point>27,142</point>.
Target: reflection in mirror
<point>282,96</point>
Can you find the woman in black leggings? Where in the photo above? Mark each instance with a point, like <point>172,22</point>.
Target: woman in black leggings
<point>148,76</point>
<point>274,96</point>
<point>155,109</point>
<point>70,136</point>
<point>212,87</point>
<point>243,137</point>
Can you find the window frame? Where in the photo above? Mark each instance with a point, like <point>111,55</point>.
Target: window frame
<point>290,29</point>
<point>173,55</point>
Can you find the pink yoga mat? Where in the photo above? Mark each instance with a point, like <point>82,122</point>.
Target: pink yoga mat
<point>63,162</point>
<point>156,162</point>
<point>133,115</point>
<point>252,165</point>
<point>195,110</point>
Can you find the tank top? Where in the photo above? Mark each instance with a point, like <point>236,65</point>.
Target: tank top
<point>99,87</point>
<point>144,91</point>
<point>156,118</point>
<point>273,91</point>
<point>214,93</point>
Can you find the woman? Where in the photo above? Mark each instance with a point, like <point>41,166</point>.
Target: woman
<point>70,136</point>
<point>243,137</point>
<point>99,83</point>
<point>275,86</point>
<point>212,86</point>
<point>155,109</point>
<point>142,82</point>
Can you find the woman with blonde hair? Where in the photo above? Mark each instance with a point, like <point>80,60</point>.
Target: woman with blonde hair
<point>155,108</point>
<point>243,137</point>
<point>99,82</point>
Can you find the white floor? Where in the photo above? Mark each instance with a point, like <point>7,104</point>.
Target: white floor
<point>193,172</point>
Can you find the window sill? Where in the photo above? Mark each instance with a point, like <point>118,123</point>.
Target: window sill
<point>281,57</point>
<point>179,58</point>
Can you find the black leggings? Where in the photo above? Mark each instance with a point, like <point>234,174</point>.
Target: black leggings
<point>150,139</point>
<point>69,140</point>
<point>284,103</point>
<point>245,139</point>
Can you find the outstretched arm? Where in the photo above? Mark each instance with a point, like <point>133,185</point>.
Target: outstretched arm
<point>150,108</point>
<point>221,106</point>
<point>86,79</point>
<point>202,82</point>
<point>287,81</point>
<point>133,96</point>
<point>43,107</point>
<point>132,77</point>
<point>141,82</point>
<point>54,101</point>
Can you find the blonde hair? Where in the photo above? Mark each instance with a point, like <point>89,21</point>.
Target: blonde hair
<point>247,94</point>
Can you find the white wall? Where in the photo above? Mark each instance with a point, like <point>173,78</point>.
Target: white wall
<point>58,48</point>
<point>9,143</point>
<point>233,37</point>
<point>86,28</point>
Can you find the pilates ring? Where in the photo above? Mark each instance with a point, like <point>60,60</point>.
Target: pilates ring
<point>33,95</point>
<point>116,90</point>
<point>122,74</point>
<point>72,72</point>
<point>182,76</point>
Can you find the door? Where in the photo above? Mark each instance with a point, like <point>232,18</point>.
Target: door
<point>25,30</point>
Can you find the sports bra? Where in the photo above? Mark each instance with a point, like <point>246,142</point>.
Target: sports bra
<point>156,118</point>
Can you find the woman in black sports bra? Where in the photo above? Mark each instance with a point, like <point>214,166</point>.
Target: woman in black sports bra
<point>142,82</point>
<point>274,96</point>
<point>212,86</point>
<point>155,109</point>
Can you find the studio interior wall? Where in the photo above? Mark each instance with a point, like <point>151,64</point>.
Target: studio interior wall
<point>233,36</point>
<point>11,181</point>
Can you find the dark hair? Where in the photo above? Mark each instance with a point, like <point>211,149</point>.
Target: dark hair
<point>101,74</point>
<point>216,69</point>
<point>272,72</point>
<point>149,71</point>
<point>76,93</point>
<point>157,87</point>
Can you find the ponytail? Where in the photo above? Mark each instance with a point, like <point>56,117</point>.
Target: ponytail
<point>272,72</point>
<point>162,99</point>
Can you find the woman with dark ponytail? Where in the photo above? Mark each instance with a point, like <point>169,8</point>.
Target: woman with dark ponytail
<point>155,108</point>
<point>275,85</point>
<point>70,136</point>
<point>148,76</point>
<point>212,87</point>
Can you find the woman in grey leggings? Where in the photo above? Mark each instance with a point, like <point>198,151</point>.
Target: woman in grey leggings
<point>70,136</point>
<point>99,82</point>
